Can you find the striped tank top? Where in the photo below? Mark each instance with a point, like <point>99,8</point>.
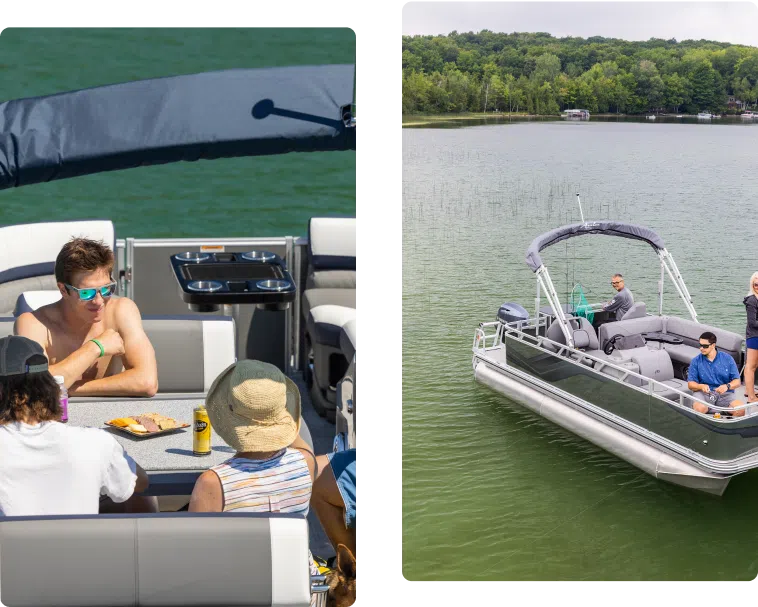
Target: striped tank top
<point>281,483</point>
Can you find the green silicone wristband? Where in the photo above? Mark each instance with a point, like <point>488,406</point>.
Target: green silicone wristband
<point>99,345</point>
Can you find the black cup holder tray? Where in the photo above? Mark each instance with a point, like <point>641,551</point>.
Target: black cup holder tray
<point>246,277</point>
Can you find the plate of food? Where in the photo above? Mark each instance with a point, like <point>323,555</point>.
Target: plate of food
<point>146,424</point>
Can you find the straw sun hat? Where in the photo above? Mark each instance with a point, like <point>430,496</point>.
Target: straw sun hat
<point>253,406</point>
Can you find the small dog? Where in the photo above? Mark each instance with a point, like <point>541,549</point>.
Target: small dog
<point>341,580</point>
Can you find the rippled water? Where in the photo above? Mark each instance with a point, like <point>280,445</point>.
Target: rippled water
<point>490,490</point>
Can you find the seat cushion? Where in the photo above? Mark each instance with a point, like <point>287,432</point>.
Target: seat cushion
<point>681,353</point>
<point>649,324</point>
<point>29,301</point>
<point>347,339</point>
<point>321,297</point>
<point>325,323</point>
<point>331,279</point>
<point>676,384</point>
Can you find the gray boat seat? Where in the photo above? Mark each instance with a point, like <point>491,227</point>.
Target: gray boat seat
<point>188,559</point>
<point>583,334</point>
<point>656,364</point>
<point>690,332</point>
<point>191,350</point>
<point>648,324</point>
<point>638,310</point>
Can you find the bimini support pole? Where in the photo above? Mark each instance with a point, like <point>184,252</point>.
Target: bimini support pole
<point>660,290</point>
<point>543,276</point>
<point>676,278</point>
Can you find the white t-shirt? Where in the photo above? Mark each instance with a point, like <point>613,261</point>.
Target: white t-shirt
<point>54,468</point>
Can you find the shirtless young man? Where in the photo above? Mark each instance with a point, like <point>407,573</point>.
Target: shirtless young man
<point>96,343</point>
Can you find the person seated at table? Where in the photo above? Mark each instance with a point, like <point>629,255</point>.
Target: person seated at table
<point>92,338</point>
<point>255,409</point>
<point>47,467</point>
<point>333,497</point>
<point>713,377</point>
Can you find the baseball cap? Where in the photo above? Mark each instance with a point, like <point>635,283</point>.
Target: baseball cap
<point>20,355</point>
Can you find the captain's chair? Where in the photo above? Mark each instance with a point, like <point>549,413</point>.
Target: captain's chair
<point>638,310</point>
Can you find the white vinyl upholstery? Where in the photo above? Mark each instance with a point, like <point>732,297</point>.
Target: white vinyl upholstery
<point>218,349</point>
<point>19,260</point>
<point>29,301</point>
<point>186,559</point>
<point>332,237</point>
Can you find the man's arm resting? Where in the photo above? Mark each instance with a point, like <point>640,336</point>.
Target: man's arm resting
<point>139,355</point>
<point>696,387</point>
<point>71,367</point>
<point>127,383</point>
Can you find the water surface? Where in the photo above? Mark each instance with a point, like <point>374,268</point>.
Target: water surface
<point>490,490</point>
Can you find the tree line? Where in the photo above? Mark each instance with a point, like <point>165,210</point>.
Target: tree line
<point>539,74</point>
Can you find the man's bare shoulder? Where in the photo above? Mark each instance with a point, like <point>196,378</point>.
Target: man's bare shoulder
<point>35,325</point>
<point>124,308</point>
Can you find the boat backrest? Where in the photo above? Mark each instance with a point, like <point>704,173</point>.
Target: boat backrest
<point>191,350</point>
<point>331,253</point>
<point>28,253</point>
<point>691,331</point>
<point>648,324</point>
<point>583,334</point>
<point>638,310</point>
<point>29,301</point>
<point>154,559</point>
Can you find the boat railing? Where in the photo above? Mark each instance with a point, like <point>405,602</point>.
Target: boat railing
<point>516,330</point>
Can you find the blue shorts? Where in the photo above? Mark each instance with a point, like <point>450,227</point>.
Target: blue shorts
<point>752,343</point>
<point>343,467</point>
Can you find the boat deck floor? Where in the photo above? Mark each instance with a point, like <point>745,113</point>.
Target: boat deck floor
<point>322,433</point>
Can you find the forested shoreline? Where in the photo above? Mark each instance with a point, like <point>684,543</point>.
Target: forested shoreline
<point>539,74</point>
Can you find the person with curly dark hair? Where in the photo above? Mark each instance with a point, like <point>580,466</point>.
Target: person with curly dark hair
<point>48,467</point>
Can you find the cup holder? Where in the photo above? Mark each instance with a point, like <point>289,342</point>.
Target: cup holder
<point>273,285</point>
<point>204,286</point>
<point>261,256</point>
<point>197,257</point>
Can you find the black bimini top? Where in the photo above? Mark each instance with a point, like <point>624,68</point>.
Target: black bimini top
<point>609,228</point>
<point>244,112</point>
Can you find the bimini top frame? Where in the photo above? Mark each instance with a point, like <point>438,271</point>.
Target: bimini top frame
<point>608,228</point>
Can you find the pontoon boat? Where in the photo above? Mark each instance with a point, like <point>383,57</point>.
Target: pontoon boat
<point>621,385</point>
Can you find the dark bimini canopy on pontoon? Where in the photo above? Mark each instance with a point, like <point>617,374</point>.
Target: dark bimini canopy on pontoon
<point>609,228</point>
<point>210,115</point>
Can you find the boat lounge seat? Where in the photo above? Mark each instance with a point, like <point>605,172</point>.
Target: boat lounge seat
<point>656,364</point>
<point>325,325</point>
<point>29,301</point>
<point>583,334</point>
<point>312,298</point>
<point>25,268</point>
<point>191,349</point>
<point>638,310</point>
<point>187,559</point>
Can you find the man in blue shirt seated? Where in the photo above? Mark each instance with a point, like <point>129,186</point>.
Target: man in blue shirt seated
<point>713,377</point>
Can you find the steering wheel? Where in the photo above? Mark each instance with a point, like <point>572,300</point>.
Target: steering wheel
<point>610,345</point>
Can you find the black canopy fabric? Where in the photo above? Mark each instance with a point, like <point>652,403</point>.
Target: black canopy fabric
<point>210,115</point>
<point>609,228</point>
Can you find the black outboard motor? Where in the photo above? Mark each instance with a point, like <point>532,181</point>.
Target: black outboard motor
<point>512,312</point>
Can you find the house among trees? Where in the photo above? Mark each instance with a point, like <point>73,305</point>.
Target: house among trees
<point>732,103</point>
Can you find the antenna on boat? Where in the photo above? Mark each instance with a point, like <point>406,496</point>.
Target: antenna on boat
<point>580,206</point>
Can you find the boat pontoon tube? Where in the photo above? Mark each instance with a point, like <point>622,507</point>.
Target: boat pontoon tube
<point>653,460</point>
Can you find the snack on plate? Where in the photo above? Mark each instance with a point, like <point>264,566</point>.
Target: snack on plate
<point>137,428</point>
<point>164,423</point>
<point>123,422</point>
<point>148,423</point>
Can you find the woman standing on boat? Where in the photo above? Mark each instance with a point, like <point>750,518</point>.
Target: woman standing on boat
<point>751,337</point>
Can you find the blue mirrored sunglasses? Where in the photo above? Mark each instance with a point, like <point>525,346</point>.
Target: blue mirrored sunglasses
<point>89,294</point>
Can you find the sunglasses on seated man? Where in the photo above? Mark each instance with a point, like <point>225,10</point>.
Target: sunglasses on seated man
<point>89,293</point>
<point>704,346</point>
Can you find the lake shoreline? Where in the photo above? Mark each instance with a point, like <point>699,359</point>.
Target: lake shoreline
<point>427,119</point>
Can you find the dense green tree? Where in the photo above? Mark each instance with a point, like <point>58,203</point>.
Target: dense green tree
<point>536,72</point>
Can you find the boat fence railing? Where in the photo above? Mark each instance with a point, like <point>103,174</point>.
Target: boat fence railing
<point>528,331</point>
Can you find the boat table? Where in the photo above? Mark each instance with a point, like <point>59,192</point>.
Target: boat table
<point>167,458</point>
